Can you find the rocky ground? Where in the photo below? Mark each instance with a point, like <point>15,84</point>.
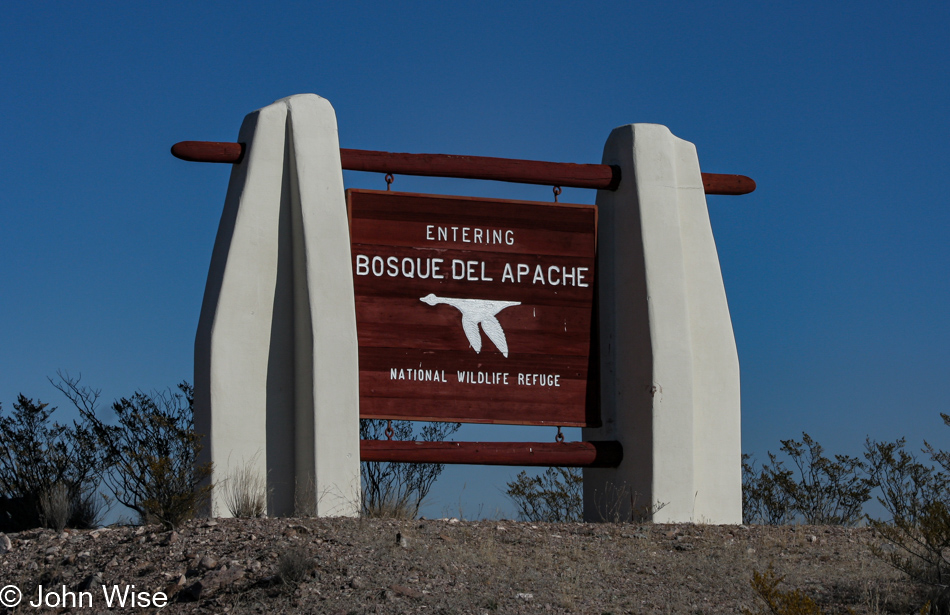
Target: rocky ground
<point>445,566</point>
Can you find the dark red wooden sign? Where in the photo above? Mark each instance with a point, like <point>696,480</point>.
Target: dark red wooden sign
<point>472,310</point>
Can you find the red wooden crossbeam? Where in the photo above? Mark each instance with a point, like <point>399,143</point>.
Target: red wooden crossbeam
<point>565,174</point>
<point>566,454</point>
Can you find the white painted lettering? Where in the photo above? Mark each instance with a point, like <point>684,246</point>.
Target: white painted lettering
<point>510,238</point>
<point>429,236</point>
<point>552,275</point>
<point>362,264</point>
<point>458,269</point>
<point>580,277</point>
<point>378,260</point>
<point>507,275</point>
<point>411,272</point>
<point>538,275</point>
<point>428,263</point>
<point>435,269</point>
<point>485,278</point>
<point>572,276</point>
<point>522,270</point>
<point>393,266</point>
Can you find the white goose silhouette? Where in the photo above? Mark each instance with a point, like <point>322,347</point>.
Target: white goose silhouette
<point>478,312</point>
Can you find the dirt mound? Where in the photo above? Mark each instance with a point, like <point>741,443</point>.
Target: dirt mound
<point>447,566</point>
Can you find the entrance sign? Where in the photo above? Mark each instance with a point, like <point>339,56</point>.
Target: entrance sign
<point>322,307</point>
<point>472,310</point>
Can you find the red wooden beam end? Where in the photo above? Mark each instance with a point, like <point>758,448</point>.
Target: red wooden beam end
<point>718,183</point>
<point>564,174</point>
<point>568,454</point>
<point>208,151</point>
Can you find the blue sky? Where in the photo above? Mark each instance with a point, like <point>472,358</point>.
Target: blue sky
<point>835,268</point>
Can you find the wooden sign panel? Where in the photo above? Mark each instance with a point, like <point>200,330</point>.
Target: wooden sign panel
<point>472,310</point>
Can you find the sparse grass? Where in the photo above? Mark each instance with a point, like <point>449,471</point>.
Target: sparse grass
<point>56,506</point>
<point>294,565</point>
<point>778,601</point>
<point>389,507</point>
<point>245,492</point>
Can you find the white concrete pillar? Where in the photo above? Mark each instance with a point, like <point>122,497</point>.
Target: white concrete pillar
<point>276,373</point>
<point>668,363</point>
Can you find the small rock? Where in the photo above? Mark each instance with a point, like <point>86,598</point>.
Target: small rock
<point>408,592</point>
<point>524,596</point>
<point>140,530</point>
<point>212,582</point>
<point>52,550</point>
<point>402,541</point>
<point>811,538</point>
<point>210,523</point>
<point>683,546</point>
<point>501,528</point>
<point>453,520</point>
<point>172,538</point>
<point>254,565</point>
<point>750,550</point>
<point>207,562</point>
<point>357,583</point>
<point>5,544</point>
<point>91,581</point>
<point>69,560</point>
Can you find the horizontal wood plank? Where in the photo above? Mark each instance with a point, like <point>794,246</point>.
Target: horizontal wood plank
<point>604,454</point>
<point>564,174</point>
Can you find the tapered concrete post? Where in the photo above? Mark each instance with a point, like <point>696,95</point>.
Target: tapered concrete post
<point>276,374</point>
<point>668,363</point>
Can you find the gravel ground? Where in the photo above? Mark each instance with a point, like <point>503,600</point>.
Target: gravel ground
<point>447,566</point>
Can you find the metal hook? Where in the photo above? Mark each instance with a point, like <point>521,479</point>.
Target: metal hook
<point>389,181</point>
<point>557,191</point>
<point>559,437</point>
<point>389,430</point>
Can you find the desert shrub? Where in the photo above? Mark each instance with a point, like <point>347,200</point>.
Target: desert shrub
<point>777,601</point>
<point>553,496</point>
<point>42,464</point>
<point>245,492</point>
<point>150,454</point>
<point>917,497</point>
<point>766,492</point>
<point>398,489</point>
<point>294,565</point>
<point>819,490</point>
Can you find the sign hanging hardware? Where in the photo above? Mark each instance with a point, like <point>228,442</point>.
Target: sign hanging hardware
<point>389,430</point>
<point>389,181</point>
<point>557,191</point>
<point>559,437</point>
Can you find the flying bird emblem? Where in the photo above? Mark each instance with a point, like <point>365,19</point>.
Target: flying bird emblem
<point>477,312</point>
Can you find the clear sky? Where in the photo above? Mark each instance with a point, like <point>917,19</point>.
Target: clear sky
<point>836,268</point>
